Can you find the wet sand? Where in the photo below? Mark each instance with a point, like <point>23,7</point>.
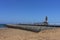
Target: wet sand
<point>17,34</point>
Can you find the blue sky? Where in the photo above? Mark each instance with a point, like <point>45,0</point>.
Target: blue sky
<point>29,11</point>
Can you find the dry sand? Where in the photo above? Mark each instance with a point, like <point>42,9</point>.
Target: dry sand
<point>17,34</point>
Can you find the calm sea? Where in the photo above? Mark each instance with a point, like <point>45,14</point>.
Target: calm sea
<point>2,26</point>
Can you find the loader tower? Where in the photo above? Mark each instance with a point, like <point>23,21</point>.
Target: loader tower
<point>46,21</point>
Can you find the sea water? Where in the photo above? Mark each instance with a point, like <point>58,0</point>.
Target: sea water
<point>2,26</point>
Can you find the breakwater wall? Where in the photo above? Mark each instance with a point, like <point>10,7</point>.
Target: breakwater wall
<point>29,27</point>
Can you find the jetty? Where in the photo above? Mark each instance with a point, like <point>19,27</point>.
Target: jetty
<point>33,27</point>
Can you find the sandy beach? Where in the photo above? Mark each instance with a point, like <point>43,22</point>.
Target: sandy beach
<point>17,34</point>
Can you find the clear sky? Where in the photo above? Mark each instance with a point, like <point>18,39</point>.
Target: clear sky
<point>28,11</point>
